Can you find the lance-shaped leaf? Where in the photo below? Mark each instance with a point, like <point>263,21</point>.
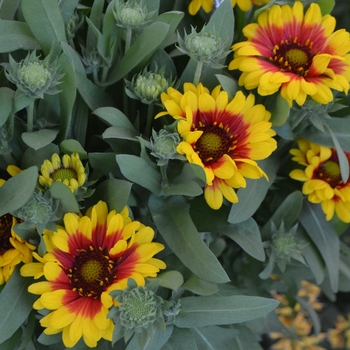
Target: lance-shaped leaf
<point>221,310</point>
<point>174,223</point>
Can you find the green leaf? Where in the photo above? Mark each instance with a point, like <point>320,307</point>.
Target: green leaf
<point>171,216</point>
<point>67,95</point>
<point>33,157</point>
<point>6,103</point>
<point>104,163</point>
<point>246,234</point>
<point>221,310</point>
<point>69,146</point>
<point>62,192</point>
<point>325,238</point>
<point>228,84</point>
<point>251,197</point>
<point>287,212</point>
<point>281,112</point>
<point>12,342</point>
<point>8,9</point>
<point>214,338</point>
<point>181,339</point>
<point>39,139</point>
<point>93,95</point>
<point>16,191</point>
<point>137,170</point>
<point>170,279</point>
<point>15,304</point>
<point>144,46</point>
<point>45,21</point>
<point>67,8</point>
<point>245,339</point>
<point>198,286</point>
<point>152,343</point>
<point>96,15</point>
<point>16,35</point>
<point>326,6</point>
<point>114,192</point>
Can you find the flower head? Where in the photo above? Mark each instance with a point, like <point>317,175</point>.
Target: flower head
<point>69,170</point>
<point>139,311</point>
<point>296,53</point>
<point>13,249</point>
<point>33,76</point>
<point>88,258</point>
<point>339,337</point>
<point>131,14</point>
<point>148,85</point>
<point>203,47</point>
<point>224,137</point>
<point>322,178</point>
<point>207,5</point>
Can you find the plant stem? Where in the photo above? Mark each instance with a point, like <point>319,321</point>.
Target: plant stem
<point>198,72</point>
<point>30,116</point>
<point>128,36</point>
<point>149,120</point>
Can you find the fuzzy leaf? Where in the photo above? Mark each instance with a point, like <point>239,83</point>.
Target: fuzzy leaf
<point>6,103</point>
<point>170,279</point>
<point>15,304</point>
<point>325,238</point>
<point>40,14</point>
<point>39,139</point>
<point>221,310</point>
<point>174,223</point>
<point>16,191</point>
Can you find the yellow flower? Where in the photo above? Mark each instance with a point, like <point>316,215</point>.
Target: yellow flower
<point>322,179</point>
<point>207,5</point>
<point>297,54</point>
<point>68,170</point>
<point>88,258</point>
<point>224,137</point>
<point>339,337</point>
<point>13,249</point>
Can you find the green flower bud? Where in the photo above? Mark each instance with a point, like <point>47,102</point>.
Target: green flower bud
<point>131,14</point>
<point>40,210</point>
<point>147,86</point>
<point>73,25</point>
<point>163,146</point>
<point>33,76</point>
<point>204,47</point>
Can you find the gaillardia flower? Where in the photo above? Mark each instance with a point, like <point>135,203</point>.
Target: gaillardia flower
<point>299,54</point>
<point>69,170</point>
<point>13,249</point>
<point>88,258</point>
<point>322,178</point>
<point>207,5</point>
<point>224,137</point>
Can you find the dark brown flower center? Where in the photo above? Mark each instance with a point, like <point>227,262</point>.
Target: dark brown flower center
<point>329,171</point>
<point>213,143</point>
<point>62,174</point>
<point>5,233</point>
<point>291,56</point>
<point>92,273</point>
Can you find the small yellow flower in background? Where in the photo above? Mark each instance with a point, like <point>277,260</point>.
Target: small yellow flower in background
<point>224,137</point>
<point>339,337</point>
<point>13,249</point>
<point>69,170</point>
<point>297,321</point>
<point>297,54</point>
<point>88,258</point>
<point>207,5</point>
<point>322,178</point>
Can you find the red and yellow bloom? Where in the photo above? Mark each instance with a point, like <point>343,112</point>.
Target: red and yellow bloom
<point>88,258</point>
<point>224,137</point>
<point>207,5</point>
<point>322,178</point>
<point>297,54</point>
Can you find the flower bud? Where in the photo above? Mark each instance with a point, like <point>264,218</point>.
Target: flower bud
<point>204,47</point>
<point>130,14</point>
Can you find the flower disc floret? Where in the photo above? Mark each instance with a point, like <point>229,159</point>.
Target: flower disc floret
<point>298,54</point>
<point>68,169</point>
<point>89,257</point>
<point>224,137</point>
<point>322,178</point>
